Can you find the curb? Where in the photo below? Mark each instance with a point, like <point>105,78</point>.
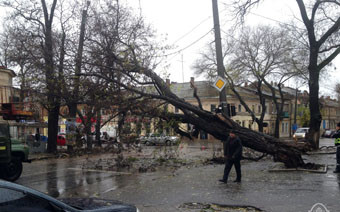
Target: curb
<point>323,170</point>
<point>42,158</point>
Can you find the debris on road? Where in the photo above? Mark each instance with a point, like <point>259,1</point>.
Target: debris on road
<point>204,207</point>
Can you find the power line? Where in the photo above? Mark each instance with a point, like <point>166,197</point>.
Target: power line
<point>277,21</point>
<point>186,47</point>
<point>195,27</point>
<point>186,34</point>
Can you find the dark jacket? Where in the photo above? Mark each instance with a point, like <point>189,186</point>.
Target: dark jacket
<point>337,138</point>
<point>233,148</point>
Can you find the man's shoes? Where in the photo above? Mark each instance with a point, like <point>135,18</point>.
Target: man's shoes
<point>336,171</point>
<point>223,181</point>
<point>237,181</point>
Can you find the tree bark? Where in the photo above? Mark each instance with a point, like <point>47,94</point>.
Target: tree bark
<point>98,126</point>
<point>220,126</point>
<point>314,107</point>
<point>53,119</point>
<point>51,80</point>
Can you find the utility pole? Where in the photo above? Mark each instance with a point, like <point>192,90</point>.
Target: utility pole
<point>182,67</point>
<point>75,95</point>
<point>219,57</point>
<point>295,110</point>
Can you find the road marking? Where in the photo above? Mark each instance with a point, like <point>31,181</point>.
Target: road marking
<point>111,189</point>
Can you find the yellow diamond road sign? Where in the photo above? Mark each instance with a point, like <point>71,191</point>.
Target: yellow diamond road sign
<point>219,83</point>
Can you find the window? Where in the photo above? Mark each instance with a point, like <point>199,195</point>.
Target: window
<point>203,135</point>
<point>4,131</point>
<point>286,127</point>
<point>283,128</point>
<point>253,108</point>
<point>239,108</point>
<point>212,108</point>
<point>259,108</point>
<point>243,123</point>
<point>11,200</point>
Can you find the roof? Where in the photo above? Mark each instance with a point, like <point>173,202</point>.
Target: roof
<point>9,71</point>
<point>184,90</point>
<point>206,90</point>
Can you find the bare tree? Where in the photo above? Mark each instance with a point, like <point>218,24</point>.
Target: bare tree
<point>259,54</point>
<point>36,20</point>
<point>337,91</point>
<point>321,20</point>
<point>131,59</point>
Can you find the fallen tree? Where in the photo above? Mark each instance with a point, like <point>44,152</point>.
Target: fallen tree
<point>215,124</point>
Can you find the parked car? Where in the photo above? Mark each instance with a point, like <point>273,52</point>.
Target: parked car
<point>300,133</point>
<point>12,153</point>
<point>328,133</point>
<point>157,139</point>
<point>18,198</point>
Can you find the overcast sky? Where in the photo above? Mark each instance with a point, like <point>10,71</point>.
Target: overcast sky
<point>184,22</point>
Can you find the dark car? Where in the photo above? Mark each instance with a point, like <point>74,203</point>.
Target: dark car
<point>328,133</point>
<point>17,198</point>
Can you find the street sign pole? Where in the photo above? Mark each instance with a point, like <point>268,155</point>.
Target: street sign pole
<point>219,57</point>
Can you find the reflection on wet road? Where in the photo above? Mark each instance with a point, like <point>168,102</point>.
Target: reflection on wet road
<point>66,178</point>
<point>167,189</point>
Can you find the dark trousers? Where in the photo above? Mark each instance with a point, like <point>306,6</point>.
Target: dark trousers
<point>337,158</point>
<point>228,165</point>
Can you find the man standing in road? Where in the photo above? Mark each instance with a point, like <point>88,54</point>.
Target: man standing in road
<point>337,144</point>
<point>233,153</point>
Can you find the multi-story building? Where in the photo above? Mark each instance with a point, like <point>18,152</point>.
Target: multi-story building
<point>7,91</point>
<point>209,97</point>
<point>10,96</point>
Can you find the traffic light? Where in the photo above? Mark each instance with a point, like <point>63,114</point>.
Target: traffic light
<point>231,110</point>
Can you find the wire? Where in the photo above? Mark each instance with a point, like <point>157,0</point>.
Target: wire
<point>271,19</point>
<point>188,46</point>
<point>195,27</point>
<point>186,34</point>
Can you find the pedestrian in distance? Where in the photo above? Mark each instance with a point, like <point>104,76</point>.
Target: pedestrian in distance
<point>337,144</point>
<point>233,153</point>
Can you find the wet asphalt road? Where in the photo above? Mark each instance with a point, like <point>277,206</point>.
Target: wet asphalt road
<point>167,189</point>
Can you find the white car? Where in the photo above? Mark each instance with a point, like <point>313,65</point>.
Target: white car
<point>300,133</point>
<point>156,139</point>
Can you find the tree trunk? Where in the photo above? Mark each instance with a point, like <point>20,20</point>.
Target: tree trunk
<point>51,80</point>
<point>314,107</point>
<point>277,126</point>
<point>53,119</point>
<point>220,126</point>
<point>88,135</point>
<point>98,125</point>
<point>260,126</point>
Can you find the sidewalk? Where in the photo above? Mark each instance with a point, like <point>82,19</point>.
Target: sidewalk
<point>41,156</point>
